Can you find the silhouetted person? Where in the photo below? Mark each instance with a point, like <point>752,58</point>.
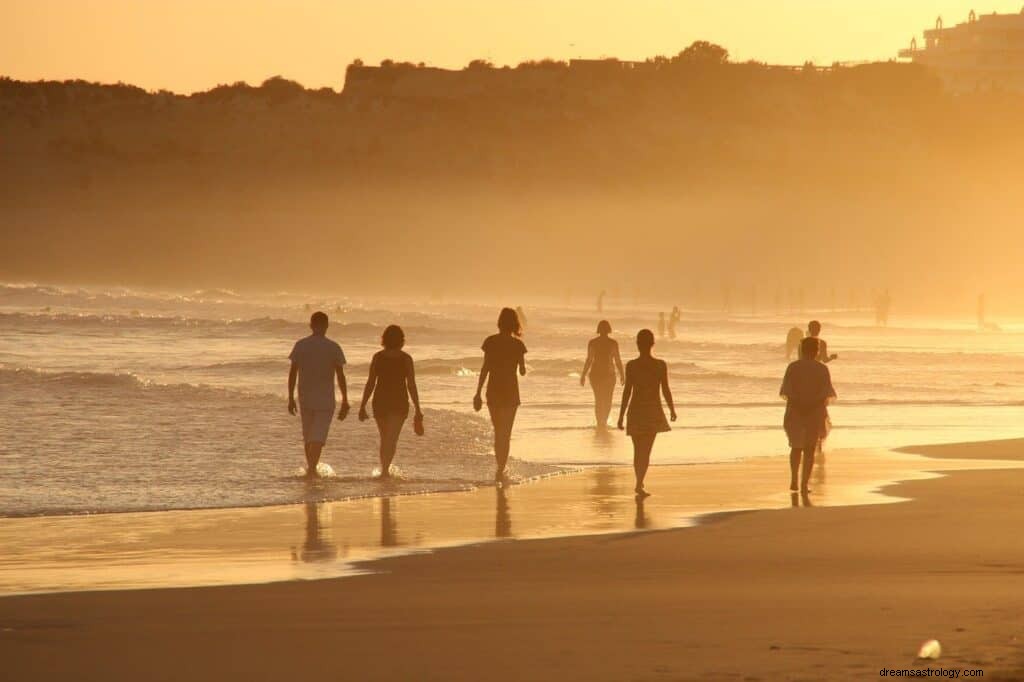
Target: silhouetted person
<point>600,301</point>
<point>316,360</point>
<point>646,382</point>
<point>661,325</point>
<point>882,305</point>
<point>602,364</point>
<point>504,353</point>
<point>793,339</point>
<point>814,331</point>
<point>522,317</point>
<point>391,382</point>
<point>807,388</point>
<point>673,320</point>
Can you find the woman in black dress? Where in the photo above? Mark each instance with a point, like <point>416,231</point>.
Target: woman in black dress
<point>504,353</point>
<point>602,365</point>
<point>646,382</point>
<point>392,381</point>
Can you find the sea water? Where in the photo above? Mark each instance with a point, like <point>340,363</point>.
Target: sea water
<point>132,400</point>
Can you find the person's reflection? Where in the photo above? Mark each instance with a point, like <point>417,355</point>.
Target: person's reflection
<point>388,526</point>
<point>316,547</point>
<point>800,500</point>
<point>641,521</point>
<point>606,494</point>
<point>502,518</point>
<point>819,468</point>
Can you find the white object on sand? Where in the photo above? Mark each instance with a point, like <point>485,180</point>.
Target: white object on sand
<point>930,649</point>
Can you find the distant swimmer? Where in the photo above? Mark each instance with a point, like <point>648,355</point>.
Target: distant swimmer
<point>316,360</point>
<point>504,353</point>
<point>646,383</point>
<point>600,301</point>
<point>391,382</point>
<point>661,325</point>
<point>602,365</point>
<point>814,331</point>
<point>673,320</point>
<point>807,389</point>
<point>793,339</point>
<point>522,317</point>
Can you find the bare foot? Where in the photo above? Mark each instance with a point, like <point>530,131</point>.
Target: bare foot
<point>641,493</point>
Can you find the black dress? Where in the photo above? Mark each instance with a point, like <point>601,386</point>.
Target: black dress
<point>391,394</point>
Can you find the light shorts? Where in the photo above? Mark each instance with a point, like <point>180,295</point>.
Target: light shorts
<point>316,424</point>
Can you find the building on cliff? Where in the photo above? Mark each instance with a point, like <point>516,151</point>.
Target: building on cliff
<point>985,53</point>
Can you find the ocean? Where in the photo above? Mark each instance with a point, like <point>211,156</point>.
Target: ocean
<point>118,399</point>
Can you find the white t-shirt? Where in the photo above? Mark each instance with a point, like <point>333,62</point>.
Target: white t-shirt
<point>317,358</point>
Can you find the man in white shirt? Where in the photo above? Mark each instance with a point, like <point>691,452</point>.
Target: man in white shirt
<point>315,361</point>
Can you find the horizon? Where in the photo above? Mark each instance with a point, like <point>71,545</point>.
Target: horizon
<point>312,42</point>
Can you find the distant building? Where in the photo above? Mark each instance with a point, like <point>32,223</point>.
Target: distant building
<point>984,53</point>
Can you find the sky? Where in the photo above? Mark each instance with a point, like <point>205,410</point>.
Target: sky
<point>190,45</point>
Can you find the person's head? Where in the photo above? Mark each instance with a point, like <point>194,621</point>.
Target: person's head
<point>604,327</point>
<point>809,348</point>
<point>318,322</point>
<point>393,337</point>
<point>508,322</point>
<point>814,327</point>
<point>645,340</point>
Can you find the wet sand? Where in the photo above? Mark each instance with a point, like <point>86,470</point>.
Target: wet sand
<point>787,593</point>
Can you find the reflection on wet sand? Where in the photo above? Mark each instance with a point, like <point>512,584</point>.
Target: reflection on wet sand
<point>316,546</point>
<point>502,518</point>
<point>237,546</point>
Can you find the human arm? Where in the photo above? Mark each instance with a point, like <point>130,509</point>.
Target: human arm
<point>371,384</point>
<point>293,375</point>
<point>410,382</point>
<point>522,361</point>
<point>586,365</point>
<point>666,391</point>
<point>618,361</point>
<point>627,393</point>
<point>478,401</point>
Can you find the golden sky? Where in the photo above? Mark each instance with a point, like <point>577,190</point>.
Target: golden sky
<point>187,45</point>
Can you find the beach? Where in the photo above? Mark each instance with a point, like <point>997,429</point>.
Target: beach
<point>799,592</point>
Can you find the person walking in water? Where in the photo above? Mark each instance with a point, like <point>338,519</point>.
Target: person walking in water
<point>646,383</point>
<point>602,364</point>
<point>504,353</point>
<point>793,339</point>
<point>673,320</point>
<point>391,382</point>
<point>807,389</point>
<point>316,360</point>
<point>661,325</point>
<point>814,331</point>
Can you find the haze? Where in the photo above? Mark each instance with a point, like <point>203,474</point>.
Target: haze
<point>191,45</point>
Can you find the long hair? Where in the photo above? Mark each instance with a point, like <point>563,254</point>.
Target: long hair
<point>508,322</point>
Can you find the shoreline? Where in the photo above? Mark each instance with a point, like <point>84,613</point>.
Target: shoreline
<point>321,540</point>
<point>820,593</point>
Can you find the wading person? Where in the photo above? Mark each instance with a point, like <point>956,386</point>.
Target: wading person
<point>504,355</point>
<point>391,382</point>
<point>316,361</point>
<point>602,365</point>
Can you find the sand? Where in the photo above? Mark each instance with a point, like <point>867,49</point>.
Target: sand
<point>795,593</point>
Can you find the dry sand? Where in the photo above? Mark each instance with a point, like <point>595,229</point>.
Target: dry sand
<point>799,593</point>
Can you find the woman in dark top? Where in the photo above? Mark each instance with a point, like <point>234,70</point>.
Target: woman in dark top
<point>603,362</point>
<point>392,381</point>
<point>504,353</point>
<point>807,388</point>
<point>646,382</point>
